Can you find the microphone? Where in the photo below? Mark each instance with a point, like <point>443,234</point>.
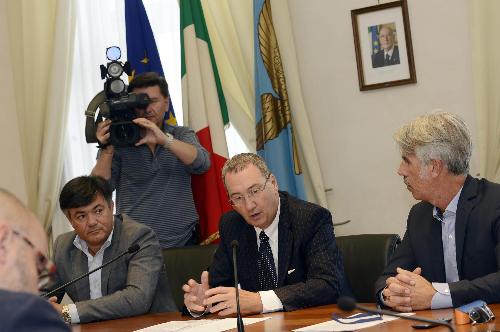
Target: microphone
<point>239,320</point>
<point>349,304</point>
<point>132,249</point>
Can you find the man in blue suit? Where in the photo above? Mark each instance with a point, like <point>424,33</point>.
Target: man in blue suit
<point>22,262</point>
<point>389,53</point>
<point>287,256</point>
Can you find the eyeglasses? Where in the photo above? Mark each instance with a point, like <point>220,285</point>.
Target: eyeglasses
<point>482,314</point>
<point>45,267</point>
<point>252,193</point>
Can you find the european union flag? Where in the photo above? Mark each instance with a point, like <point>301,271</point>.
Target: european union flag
<point>142,52</point>
<point>373,31</point>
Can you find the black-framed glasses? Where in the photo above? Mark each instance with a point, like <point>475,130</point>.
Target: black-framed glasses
<point>481,314</point>
<point>252,193</point>
<point>45,267</point>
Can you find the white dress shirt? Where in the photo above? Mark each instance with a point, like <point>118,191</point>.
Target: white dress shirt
<point>270,301</point>
<point>93,261</point>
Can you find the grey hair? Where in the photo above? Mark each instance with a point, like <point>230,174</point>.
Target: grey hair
<point>441,135</point>
<point>240,161</point>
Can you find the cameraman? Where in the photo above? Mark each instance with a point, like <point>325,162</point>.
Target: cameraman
<point>153,178</point>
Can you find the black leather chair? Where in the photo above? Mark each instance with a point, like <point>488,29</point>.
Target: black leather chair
<point>365,256</point>
<point>185,263</point>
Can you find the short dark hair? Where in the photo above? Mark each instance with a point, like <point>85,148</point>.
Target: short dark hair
<point>83,190</point>
<point>145,80</point>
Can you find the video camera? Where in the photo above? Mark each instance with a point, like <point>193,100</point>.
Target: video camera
<point>115,104</point>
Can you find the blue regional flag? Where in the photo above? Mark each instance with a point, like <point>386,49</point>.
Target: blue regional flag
<point>141,46</point>
<point>276,141</point>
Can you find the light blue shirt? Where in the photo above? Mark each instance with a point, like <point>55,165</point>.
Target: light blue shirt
<point>94,278</point>
<point>442,298</point>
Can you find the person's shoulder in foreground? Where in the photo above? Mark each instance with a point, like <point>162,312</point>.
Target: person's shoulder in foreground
<point>23,245</point>
<point>28,312</point>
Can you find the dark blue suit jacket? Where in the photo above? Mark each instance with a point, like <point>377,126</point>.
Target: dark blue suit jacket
<point>27,312</point>
<point>310,270</point>
<point>379,61</point>
<point>477,236</point>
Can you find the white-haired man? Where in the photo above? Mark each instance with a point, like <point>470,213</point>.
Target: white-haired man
<point>389,52</point>
<point>450,253</point>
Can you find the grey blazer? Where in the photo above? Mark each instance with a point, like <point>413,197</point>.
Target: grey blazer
<point>133,285</point>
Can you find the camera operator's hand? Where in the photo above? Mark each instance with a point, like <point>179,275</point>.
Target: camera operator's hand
<point>151,134</point>
<point>102,132</point>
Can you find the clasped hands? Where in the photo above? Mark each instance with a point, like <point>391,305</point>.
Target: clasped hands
<point>199,298</point>
<point>408,291</point>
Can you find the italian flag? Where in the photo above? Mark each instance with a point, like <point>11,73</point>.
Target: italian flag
<point>205,111</point>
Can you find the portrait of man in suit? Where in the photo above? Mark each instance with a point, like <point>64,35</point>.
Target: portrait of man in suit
<point>133,285</point>
<point>287,257</point>
<point>450,252</point>
<point>388,54</point>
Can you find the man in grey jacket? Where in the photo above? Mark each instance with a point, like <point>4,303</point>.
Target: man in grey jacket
<point>133,285</point>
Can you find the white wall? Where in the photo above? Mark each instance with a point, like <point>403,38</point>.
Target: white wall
<point>11,165</point>
<point>353,129</point>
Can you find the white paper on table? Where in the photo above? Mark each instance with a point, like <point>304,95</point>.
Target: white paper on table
<point>332,325</point>
<point>200,325</point>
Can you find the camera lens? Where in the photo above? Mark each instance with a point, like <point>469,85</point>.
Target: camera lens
<point>124,133</point>
<point>117,86</point>
<point>115,69</point>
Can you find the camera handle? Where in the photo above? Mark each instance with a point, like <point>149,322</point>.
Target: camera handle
<point>99,101</point>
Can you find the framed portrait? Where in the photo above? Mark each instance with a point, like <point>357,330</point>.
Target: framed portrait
<point>382,41</point>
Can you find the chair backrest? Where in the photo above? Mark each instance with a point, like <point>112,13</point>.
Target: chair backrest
<point>186,263</point>
<point>365,256</point>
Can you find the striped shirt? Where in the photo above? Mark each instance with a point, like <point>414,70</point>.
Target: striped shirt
<point>155,188</point>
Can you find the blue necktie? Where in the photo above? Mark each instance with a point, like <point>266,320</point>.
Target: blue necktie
<point>265,265</point>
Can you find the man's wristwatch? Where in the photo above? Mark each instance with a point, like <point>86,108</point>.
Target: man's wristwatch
<point>65,314</point>
<point>170,139</point>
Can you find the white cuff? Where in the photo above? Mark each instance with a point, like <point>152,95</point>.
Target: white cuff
<point>270,301</point>
<point>73,313</point>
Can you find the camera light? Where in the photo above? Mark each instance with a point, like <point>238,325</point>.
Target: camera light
<point>117,86</point>
<point>113,53</point>
<point>115,69</point>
